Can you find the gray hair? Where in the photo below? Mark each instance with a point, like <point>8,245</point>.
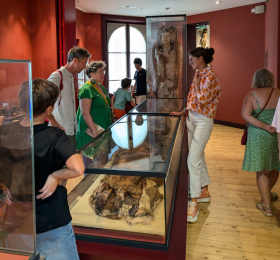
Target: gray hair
<point>263,78</point>
<point>93,66</point>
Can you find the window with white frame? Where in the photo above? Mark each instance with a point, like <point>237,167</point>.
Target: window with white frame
<point>125,43</point>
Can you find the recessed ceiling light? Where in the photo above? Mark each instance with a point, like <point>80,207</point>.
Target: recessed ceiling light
<point>218,2</point>
<point>128,6</point>
<point>107,12</point>
<point>181,12</point>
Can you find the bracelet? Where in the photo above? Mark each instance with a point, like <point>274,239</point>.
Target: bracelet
<point>94,132</point>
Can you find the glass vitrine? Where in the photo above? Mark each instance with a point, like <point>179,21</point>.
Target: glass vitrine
<point>166,55</point>
<point>159,106</point>
<point>17,209</point>
<point>127,195</point>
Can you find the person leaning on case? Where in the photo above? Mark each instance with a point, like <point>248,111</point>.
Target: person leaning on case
<point>202,105</point>
<point>64,113</point>
<point>56,160</point>
<point>261,154</point>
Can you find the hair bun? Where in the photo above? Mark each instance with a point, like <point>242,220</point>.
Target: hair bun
<point>210,51</point>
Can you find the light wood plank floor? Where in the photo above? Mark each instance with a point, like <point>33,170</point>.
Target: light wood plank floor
<point>230,226</point>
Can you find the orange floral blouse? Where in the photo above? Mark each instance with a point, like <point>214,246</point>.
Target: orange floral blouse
<point>205,101</point>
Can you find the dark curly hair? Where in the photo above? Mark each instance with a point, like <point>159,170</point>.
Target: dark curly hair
<point>206,53</point>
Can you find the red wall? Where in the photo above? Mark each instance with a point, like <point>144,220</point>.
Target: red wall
<point>28,31</point>
<point>272,37</point>
<point>44,39</point>
<point>88,30</point>
<point>15,40</point>
<point>237,35</point>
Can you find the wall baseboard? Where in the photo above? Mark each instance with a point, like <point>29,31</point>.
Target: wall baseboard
<point>219,122</point>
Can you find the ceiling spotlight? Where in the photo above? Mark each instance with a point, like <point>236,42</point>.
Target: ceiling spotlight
<point>107,12</point>
<point>128,6</point>
<point>218,2</point>
<point>181,12</point>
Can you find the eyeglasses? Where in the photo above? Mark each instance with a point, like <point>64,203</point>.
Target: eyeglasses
<point>84,63</point>
<point>101,71</point>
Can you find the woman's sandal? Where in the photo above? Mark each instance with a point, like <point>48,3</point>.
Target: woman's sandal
<point>273,196</point>
<point>266,211</point>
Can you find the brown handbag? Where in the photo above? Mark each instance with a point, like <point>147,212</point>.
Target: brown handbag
<point>244,136</point>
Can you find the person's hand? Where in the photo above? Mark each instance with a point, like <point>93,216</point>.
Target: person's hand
<point>49,187</point>
<point>197,80</point>
<point>175,113</point>
<point>270,129</point>
<point>152,95</point>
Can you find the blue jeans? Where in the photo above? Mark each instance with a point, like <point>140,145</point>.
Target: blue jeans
<point>59,243</point>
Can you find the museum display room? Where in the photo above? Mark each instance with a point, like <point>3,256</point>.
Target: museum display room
<point>17,205</point>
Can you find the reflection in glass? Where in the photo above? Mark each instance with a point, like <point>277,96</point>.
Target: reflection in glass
<point>17,223</point>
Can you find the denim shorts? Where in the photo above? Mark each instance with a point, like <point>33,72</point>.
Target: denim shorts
<point>59,243</point>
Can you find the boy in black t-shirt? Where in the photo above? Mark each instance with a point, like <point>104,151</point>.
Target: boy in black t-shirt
<point>55,160</point>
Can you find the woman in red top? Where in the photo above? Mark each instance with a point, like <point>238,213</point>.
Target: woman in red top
<point>202,104</point>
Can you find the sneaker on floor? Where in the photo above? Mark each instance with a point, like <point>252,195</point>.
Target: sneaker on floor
<point>205,195</point>
<point>192,211</point>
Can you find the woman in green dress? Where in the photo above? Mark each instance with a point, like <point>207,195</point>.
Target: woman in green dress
<point>94,112</point>
<point>261,154</point>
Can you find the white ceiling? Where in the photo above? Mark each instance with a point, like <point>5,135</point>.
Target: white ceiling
<point>158,7</point>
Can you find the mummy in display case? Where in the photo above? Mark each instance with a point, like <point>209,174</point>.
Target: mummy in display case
<point>167,62</point>
<point>129,197</point>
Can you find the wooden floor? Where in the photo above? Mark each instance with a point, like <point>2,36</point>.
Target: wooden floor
<point>230,226</point>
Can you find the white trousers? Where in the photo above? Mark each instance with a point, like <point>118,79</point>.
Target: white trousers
<point>199,131</point>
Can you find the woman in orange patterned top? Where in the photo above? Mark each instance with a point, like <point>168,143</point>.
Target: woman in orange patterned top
<point>202,104</point>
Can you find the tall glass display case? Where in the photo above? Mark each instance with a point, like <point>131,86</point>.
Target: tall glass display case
<point>166,55</point>
<point>17,208</point>
<point>127,195</point>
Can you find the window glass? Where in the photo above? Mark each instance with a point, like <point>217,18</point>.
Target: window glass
<point>137,40</point>
<point>117,41</point>
<point>114,85</point>
<point>117,66</point>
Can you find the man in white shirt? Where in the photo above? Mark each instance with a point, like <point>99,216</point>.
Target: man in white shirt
<point>64,113</point>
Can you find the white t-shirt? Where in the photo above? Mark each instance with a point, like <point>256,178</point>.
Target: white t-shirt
<point>276,119</point>
<point>65,113</point>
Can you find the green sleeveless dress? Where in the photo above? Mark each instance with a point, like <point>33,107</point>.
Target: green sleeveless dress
<point>262,147</point>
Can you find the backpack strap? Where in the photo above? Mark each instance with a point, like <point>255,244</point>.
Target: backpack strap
<point>60,86</point>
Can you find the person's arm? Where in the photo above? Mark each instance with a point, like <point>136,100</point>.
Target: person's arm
<point>133,88</point>
<point>177,113</point>
<point>246,113</point>
<point>54,122</point>
<point>55,78</point>
<point>132,103</point>
<point>74,168</point>
<point>112,102</point>
<point>278,137</point>
<point>85,105</point>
